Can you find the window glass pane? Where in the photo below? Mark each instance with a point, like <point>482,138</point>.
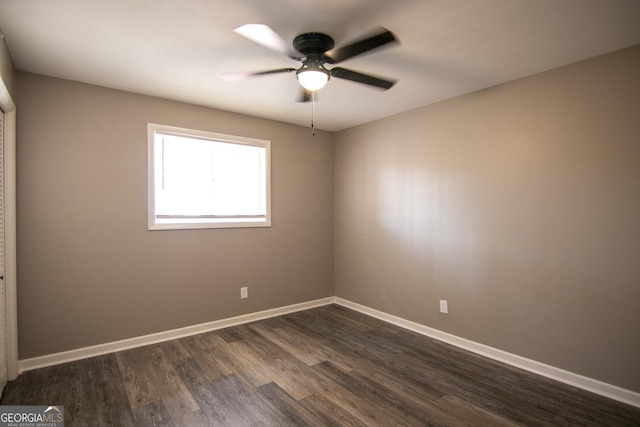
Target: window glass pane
<point>207,178</point>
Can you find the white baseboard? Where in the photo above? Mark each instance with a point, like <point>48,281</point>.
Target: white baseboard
<point>608,390</point>
<point>100,349</point>
<point>595,386</point>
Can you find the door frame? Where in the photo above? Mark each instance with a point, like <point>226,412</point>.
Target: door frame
<point>8,108</point>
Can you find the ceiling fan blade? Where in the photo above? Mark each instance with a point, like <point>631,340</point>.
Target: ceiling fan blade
<point>305,95</point>
<point>340,54</point>
<point>343,73</point>
<point>234,77</point>
<point>267,37</point>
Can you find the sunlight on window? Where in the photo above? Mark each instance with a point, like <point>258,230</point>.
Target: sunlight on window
<point>206,179</point>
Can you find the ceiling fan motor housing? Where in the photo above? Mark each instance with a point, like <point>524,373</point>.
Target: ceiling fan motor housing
<point>313,43</point>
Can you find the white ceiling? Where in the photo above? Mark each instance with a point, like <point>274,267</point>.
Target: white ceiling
<point>179,49</point>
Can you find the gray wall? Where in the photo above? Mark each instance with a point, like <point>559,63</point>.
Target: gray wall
<point>519,204</point>
<point>90,272</point>
<point>6,66</point>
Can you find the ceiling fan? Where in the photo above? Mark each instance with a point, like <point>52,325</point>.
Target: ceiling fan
<point>315,50</point>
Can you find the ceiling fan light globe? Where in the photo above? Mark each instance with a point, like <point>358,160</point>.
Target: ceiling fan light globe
<point>313,79</point>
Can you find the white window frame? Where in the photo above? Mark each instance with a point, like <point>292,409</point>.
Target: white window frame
<point>223,222</point>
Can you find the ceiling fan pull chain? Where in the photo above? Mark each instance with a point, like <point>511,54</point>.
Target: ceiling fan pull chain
<point>313,103</point>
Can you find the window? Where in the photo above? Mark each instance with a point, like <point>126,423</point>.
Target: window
<point>200,179</point>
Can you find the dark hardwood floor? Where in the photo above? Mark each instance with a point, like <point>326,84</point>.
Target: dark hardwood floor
<point>325,366</point>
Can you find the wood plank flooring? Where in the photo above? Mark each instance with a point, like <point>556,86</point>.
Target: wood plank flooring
<point>327,366</point>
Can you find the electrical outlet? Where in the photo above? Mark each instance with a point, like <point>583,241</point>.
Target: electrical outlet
<point>244,292</point>
<point>444,307</point>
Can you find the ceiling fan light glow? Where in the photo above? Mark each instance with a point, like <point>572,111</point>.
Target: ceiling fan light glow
<point>313,79</point>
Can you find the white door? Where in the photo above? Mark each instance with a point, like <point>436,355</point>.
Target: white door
<point>3,293</point>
